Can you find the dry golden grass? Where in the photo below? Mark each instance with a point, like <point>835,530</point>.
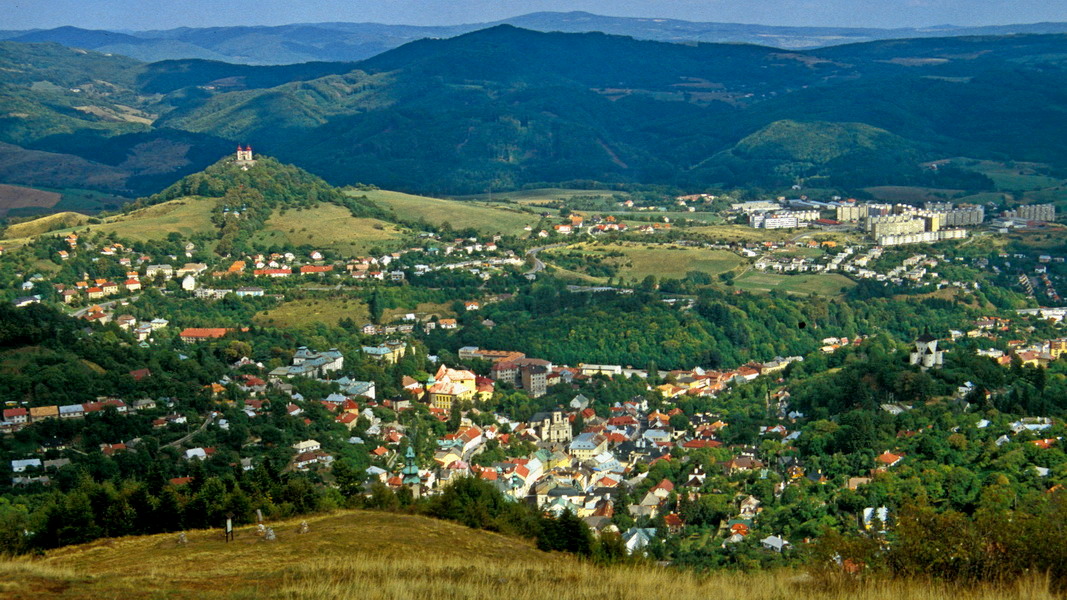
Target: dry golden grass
<point>378,556</point>
<point>63,220</point>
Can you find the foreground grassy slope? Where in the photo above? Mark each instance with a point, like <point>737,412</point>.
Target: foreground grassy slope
<point>368,555</point>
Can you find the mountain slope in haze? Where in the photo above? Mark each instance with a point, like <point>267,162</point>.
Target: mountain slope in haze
<point>507,107</point>
<point>305,42</point>
<point>74,118</point>
<point>504,107</point>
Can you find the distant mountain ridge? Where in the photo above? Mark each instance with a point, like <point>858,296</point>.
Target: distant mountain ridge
<point>306,42</point>
<point>505,107</point>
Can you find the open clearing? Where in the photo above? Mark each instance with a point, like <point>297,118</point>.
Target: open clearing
<point>486,218</point>
<point>824,284</point>
<point>662,261</point>
<point>314,310</point>
<point>328,226</point>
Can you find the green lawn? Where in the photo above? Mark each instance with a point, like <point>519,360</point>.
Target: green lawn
<point>824,284</point>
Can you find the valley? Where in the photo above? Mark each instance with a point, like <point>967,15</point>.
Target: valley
<point>560,306</point>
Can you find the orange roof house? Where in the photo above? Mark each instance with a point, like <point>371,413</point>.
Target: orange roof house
<point>195,334</point>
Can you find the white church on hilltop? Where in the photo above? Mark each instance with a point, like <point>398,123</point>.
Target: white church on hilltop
<point>244,157</point>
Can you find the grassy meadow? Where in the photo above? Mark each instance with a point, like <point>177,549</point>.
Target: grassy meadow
<point>328,226</point>
<point>313,310</point>
<point>187,216</point>
<point>824,284</point>
<point>662,261</point>
<point>486,218</point>
<point>381,556</point>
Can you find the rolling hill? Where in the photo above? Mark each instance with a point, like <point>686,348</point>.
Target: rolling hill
<point>505,108</point>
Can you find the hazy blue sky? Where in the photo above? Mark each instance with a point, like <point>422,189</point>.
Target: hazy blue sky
<point>162,14</point>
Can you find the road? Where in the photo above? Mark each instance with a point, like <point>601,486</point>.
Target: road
<point>538,265</point>
<point>178,442</point>
<point>81,311</point>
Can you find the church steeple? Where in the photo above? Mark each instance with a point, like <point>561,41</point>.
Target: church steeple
<point>411,468</point>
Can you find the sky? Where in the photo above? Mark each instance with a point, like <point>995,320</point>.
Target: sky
<point>166,14</point>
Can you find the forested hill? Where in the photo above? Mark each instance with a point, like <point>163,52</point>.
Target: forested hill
<point>248,194</point>
<point>505,107</point>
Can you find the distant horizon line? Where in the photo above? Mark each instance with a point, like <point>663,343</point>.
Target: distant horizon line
<point>932,27</point>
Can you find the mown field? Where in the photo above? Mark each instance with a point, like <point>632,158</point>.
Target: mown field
<point>383,556</point>
<point>824,284</point>
<point>328,226</point>
<point>486,218</point>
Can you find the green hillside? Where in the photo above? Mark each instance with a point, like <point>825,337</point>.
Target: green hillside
<point>389,556</point>
<point>268,204</point>
<point>465,214</point>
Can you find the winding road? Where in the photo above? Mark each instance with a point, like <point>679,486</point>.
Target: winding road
<point>538,264</point>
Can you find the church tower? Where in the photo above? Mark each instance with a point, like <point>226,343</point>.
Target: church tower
<point>411,473</point>
<point>244,157</point>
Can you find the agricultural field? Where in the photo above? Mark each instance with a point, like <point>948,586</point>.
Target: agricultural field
<point>823,284</point>
<point>328,226</point>
<point>662,261</point>
<point>16,199</point>
<point>486,218</point>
